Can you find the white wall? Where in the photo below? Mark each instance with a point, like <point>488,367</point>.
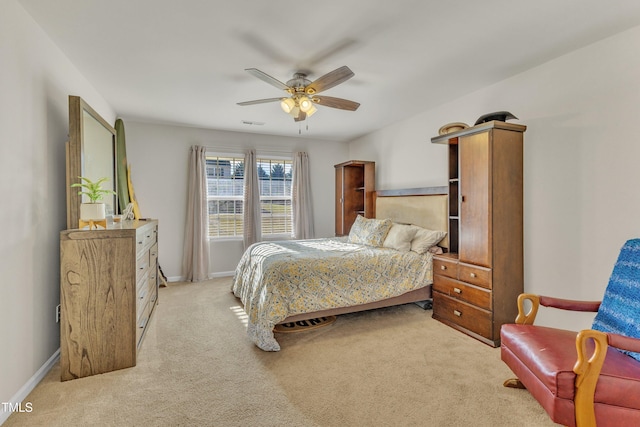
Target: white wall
<point>158,155</point>
<point>581,174</point>
<point>582,199</point>
<point>34,122</point>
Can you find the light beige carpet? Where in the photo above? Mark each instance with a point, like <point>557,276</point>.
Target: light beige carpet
<point>389,367</point>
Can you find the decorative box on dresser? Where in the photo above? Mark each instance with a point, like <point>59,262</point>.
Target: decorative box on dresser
<point>355,188</point>
<point>108,292</point>
<point>477,283</point>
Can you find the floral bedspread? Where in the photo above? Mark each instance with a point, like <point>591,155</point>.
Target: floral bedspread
<point>275,280</point>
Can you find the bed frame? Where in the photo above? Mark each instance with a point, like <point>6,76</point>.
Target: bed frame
<point>426,207</point>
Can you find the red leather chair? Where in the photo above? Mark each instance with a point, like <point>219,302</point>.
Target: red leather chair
<point>581,379</point>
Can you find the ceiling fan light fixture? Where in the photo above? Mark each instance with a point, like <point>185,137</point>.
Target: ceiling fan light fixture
<point>311,110</point>
<point>295,112</point>
<point>287,105</point>
<point>305,104</point>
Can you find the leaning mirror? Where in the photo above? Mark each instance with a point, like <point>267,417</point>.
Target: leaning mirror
<point>91,154</point>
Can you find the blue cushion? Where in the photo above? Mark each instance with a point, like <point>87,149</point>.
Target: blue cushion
<point>619,312</point>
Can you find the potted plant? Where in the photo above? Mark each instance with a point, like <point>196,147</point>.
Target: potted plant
<point>94,210</point>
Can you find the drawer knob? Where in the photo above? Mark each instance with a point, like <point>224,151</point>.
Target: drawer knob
<point>457,290</point>
<point>457,313</point>
<point>443,267</point>
<point>473,274</point>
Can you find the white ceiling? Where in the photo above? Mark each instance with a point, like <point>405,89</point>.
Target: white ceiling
<point>182,61</point>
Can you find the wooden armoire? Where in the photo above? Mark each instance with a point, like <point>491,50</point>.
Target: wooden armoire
<point>477,283</point>
<point>355,187</point>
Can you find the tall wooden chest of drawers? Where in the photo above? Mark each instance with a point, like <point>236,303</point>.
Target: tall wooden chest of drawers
<point>475,287</point>
<point>108,292</point>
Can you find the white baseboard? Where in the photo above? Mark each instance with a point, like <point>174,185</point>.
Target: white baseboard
<point>211,276</point>
<point>30,385</point>
<point>221,274</point>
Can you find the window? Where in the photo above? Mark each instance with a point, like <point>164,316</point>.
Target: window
<point>274,178</point>
<point>225,182</point>
<point>224,195</point>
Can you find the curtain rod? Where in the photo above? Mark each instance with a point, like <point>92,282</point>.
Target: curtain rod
<point>263,150</point>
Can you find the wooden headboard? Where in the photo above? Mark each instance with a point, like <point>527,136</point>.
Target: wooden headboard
<point>426,207</point>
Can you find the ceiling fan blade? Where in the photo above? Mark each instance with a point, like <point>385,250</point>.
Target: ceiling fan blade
<point>260,101</point>
<point>329,80</point>
<point>260,44</point>
<point>327,52</point>
<point>301,116</point>
<point>330,101</point>
<point>267,78</point>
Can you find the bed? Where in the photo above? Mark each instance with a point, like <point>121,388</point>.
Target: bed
<point>287,281</point>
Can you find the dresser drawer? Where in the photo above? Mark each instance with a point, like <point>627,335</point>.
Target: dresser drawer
<point>150,236</point>
<point>140,246</point>
<point>143,296</point>
<point>142,265</point>
<point>460,313</point>
<point>153,255</point>
<point>445,267</point>
<point>143,321</point>
<point>480,276</point>
<point>153,274</point>
<point>477,296</point>
<point>152,287</point>
<point>145,238</point>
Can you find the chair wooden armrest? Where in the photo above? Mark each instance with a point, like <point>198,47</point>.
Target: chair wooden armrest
<point>587,369</point>
<point>527,318</point>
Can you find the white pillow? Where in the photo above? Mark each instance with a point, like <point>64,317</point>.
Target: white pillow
<point>400,237</point>
<point>425,239</point>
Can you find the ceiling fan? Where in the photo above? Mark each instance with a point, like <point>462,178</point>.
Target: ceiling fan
<point>303,92</point>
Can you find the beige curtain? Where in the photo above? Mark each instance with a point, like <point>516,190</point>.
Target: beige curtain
<point>301,198</point>
<point>195,258</point>
<point>251,206</point>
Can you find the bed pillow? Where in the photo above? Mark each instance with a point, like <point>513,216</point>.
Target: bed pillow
<point>400,237</point>
<point>369,231</point>
<point>425,239</point>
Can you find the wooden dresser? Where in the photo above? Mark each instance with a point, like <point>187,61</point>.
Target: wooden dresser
<point>476,285</point>
<point>355,188</point>
<point>108,292</point>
